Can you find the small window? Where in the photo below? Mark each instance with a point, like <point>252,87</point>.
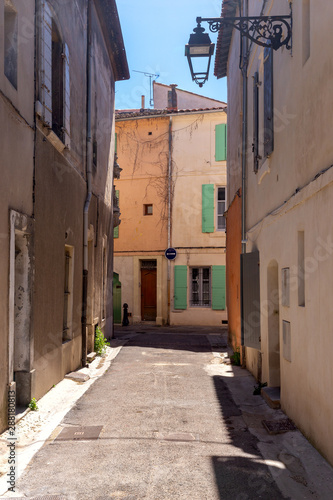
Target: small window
<point>200,287</point>
<point>286,287</point>
<point>221,208</point>
<point>148,209</point>
<point>10,45</point>
<point>286,333</point>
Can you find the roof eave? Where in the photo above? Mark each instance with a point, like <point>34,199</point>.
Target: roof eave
<point>108,16</point>
<point>229,8</point>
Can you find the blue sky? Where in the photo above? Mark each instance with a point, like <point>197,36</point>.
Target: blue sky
<point>155,33</point>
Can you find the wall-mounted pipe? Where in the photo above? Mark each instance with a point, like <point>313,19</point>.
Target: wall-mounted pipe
<point>169,211</point>
<point>89,191</point>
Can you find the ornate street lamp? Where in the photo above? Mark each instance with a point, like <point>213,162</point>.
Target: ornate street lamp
<point>267,31</point>
<point>198,49</point>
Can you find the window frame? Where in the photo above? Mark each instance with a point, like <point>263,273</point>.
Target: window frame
<point>200,292</point>
<point>217,208</point>
<point>146,207</point>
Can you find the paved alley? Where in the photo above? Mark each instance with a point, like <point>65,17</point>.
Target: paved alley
<point>174,421</point>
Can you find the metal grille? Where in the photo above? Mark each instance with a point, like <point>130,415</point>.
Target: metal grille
<point>148,264</point>
<point>200,287</point>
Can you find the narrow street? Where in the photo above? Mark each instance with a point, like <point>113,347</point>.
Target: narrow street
<point>175,422</point>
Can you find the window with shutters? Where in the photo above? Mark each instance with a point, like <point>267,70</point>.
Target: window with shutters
<point>268,103</point>
<point>221,142</point>
<point>255,145</point>
<point>10,44</point>
<point>67,333</point>
<point>200,287</point>
<point>54,87</point>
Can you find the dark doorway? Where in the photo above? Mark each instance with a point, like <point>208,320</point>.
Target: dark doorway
<point>148,291</point>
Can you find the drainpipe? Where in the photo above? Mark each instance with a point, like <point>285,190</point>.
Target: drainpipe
<point>89,192</point>
<point>243,67</point>
<point>169,210</point>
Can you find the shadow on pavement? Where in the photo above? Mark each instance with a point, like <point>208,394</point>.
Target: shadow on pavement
<point>244,476</point>
<point>178,338</point>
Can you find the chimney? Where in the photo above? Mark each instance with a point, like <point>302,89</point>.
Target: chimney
<point>172,98</point>
<point>142,102</point>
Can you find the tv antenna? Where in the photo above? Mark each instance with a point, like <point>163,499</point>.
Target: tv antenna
<point>150,76</point>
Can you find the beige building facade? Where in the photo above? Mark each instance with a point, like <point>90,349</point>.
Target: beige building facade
<point>286,287</point>
<point>172,195</point>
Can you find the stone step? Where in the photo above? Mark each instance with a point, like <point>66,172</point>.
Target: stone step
<point>272,396</point>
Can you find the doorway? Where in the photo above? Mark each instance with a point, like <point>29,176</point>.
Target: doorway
<point>116,299</point>
<point>148,290</point>
<point>20,306</point>
<point>273,324</point>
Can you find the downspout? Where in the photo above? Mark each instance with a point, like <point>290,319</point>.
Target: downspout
<point>244,67</point>
<point>169,211</point>
<point>89,192</point>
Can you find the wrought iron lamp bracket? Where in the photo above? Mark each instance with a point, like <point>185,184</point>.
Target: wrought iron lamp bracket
<point>262,30</point>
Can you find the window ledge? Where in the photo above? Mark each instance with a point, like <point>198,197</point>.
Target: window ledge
<point>264,170</point>
<point>55,141</point>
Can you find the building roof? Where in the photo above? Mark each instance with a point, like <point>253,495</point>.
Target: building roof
<point>109,19</point>
<point>229,8</point>
<point>122,114</point>
<point>182,91</point>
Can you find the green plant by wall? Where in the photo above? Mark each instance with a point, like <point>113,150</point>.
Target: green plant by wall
<point>236,358</point>
<point>33,404</point>
<point>100,342</point>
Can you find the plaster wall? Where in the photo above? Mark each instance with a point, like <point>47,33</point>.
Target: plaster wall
<point>302,114</point>
<point>142,148</point>
<point>291,193</point>
<point>185,100</point>
<point>307,378</point>
<point>16,166</point>
<point>233,253</point>
<point>194,164</point>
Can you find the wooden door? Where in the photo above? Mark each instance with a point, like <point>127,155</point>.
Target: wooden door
<point>148,294</point>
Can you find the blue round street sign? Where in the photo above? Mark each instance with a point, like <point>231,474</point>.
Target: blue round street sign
<point>170,253</point>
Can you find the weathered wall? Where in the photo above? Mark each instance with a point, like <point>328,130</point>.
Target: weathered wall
<point>233,278</point>
<point>194,164</point>
<point>16,166</point>
<point>291,193</point>
<point>142,148</point>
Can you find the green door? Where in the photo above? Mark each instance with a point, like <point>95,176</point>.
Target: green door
<point>116,299</point>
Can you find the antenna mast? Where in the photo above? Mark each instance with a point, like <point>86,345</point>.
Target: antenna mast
<point>150,76</point>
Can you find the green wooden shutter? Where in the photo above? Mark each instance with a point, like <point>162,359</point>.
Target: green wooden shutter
<point>116,229</point>
<point>218,287</point>
<point>180,287</point>
<point>221,142</point>
<point>208,208</point>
